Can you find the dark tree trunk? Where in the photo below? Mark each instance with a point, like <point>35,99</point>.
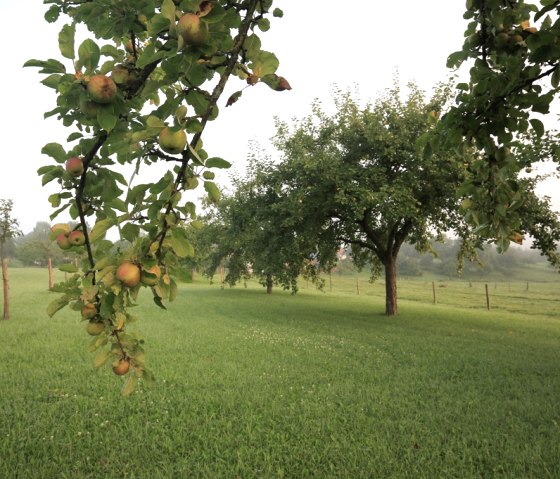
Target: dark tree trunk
<point>6,314</point>
<point>268,284</point>
<point>390,264</point>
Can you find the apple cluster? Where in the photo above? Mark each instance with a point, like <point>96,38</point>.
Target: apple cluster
<point>65,237</point>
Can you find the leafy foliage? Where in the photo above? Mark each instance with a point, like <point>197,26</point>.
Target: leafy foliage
<point>512,50</point>
<point>151,78</point>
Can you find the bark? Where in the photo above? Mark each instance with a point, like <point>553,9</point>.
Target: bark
<point>390,264</point>
<point>269,284</point>
<point>49,266</point>
<point>6,314</point>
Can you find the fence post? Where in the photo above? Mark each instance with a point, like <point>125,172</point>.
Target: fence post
<point>487,297</point>
<point>434,291</point>
<point>358,286</point>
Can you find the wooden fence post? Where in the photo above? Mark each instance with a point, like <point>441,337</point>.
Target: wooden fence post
<point>487,297</point>
<point>434,291</point>
<point>358,286</point>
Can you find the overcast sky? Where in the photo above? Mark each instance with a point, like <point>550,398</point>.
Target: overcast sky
<point>320,44</point>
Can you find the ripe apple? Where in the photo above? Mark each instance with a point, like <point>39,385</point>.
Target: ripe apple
<point>150,281</point>
<point>63,242</point>
<point>77,238</point>
<point>172,142</point>
<point>129,274</point>
<point>121,367</point>
<point>89,310</point>
<point>59,228</point>
<point>192,29</point>
<point>75,166</point>
<point>102,89</point>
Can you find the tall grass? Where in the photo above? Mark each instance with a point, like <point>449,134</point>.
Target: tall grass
<point>316,385</point>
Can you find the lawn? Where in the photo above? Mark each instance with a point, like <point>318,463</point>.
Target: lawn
<point>317,385</point>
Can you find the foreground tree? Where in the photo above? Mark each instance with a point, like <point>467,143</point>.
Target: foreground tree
<point>514,63</point>
<point>9,229</point>
<point>143,95</point>
<point>357,178</point>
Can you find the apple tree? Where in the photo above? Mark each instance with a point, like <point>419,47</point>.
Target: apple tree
<point>138,92</point>
<point>9,229</point>
<point>251,234</point>
<point>357,178</point>
<point>512,50</point>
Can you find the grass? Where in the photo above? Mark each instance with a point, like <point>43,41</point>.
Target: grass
<point>317,385</point>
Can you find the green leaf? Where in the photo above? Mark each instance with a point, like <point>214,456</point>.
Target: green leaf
<point>52,14</point>
<point>537,126</point>
<point>100,228</point>
<point>52,80</point>
<point>55,151</point>
<point>277,13</point>
<point>264,63</point>
<point>102,358</point>
<point>264,24</point>
<point>66,41</point>
<point>130,385</point>
<point>180,244</point>
<point>106,117</point>
<point>130,232</point>
<point>213,192</point>
<point>216,162</point>
<point>68,268</point>
<point>57,305</point>
<point>49,66</point>
<point>88,55</point>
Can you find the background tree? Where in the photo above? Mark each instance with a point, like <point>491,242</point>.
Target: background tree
<point>9,229</point>
<point>514,66</point>
<point>253,236</point>
<point>141,93</point>
<point>357,178</point>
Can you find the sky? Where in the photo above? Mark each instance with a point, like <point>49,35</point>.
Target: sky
<point>321,45</point>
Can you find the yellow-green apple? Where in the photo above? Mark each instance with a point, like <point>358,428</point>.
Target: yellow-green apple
<point>120,74</point>
<point>89,108</point>
<point>192,29</point>
<point>101,89</point>
<point>128,274</point>
<point>172,142</point>
<point>94,328</point>
<point>74,166</point>
<point>58,229</point>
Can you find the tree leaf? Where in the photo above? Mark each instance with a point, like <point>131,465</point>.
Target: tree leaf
<point>538,126</point>
<point>216,162</point>
<point>180,244</point>
<point>66,41</point>
<point>213,192</point>
<point>130,385</point>
<point>100,228</point>
<point>106,117</point>
<point>101,358</point>
<point>68,268</point>
<point>88,55</point>
<point>57,305</point>
<point>55,151</point>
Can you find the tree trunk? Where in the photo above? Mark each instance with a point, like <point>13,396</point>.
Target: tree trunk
<point>268,284</point>
<point>6,314</point>
<point>49,266</point>
<point>390,264</point>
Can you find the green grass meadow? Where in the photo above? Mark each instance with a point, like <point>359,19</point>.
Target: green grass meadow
<point>316,385</point>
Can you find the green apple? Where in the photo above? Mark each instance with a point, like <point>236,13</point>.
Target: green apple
<point>172,142</point>
<point>192,29</point>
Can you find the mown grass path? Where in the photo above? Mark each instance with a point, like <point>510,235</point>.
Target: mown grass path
<point>308,386</point>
